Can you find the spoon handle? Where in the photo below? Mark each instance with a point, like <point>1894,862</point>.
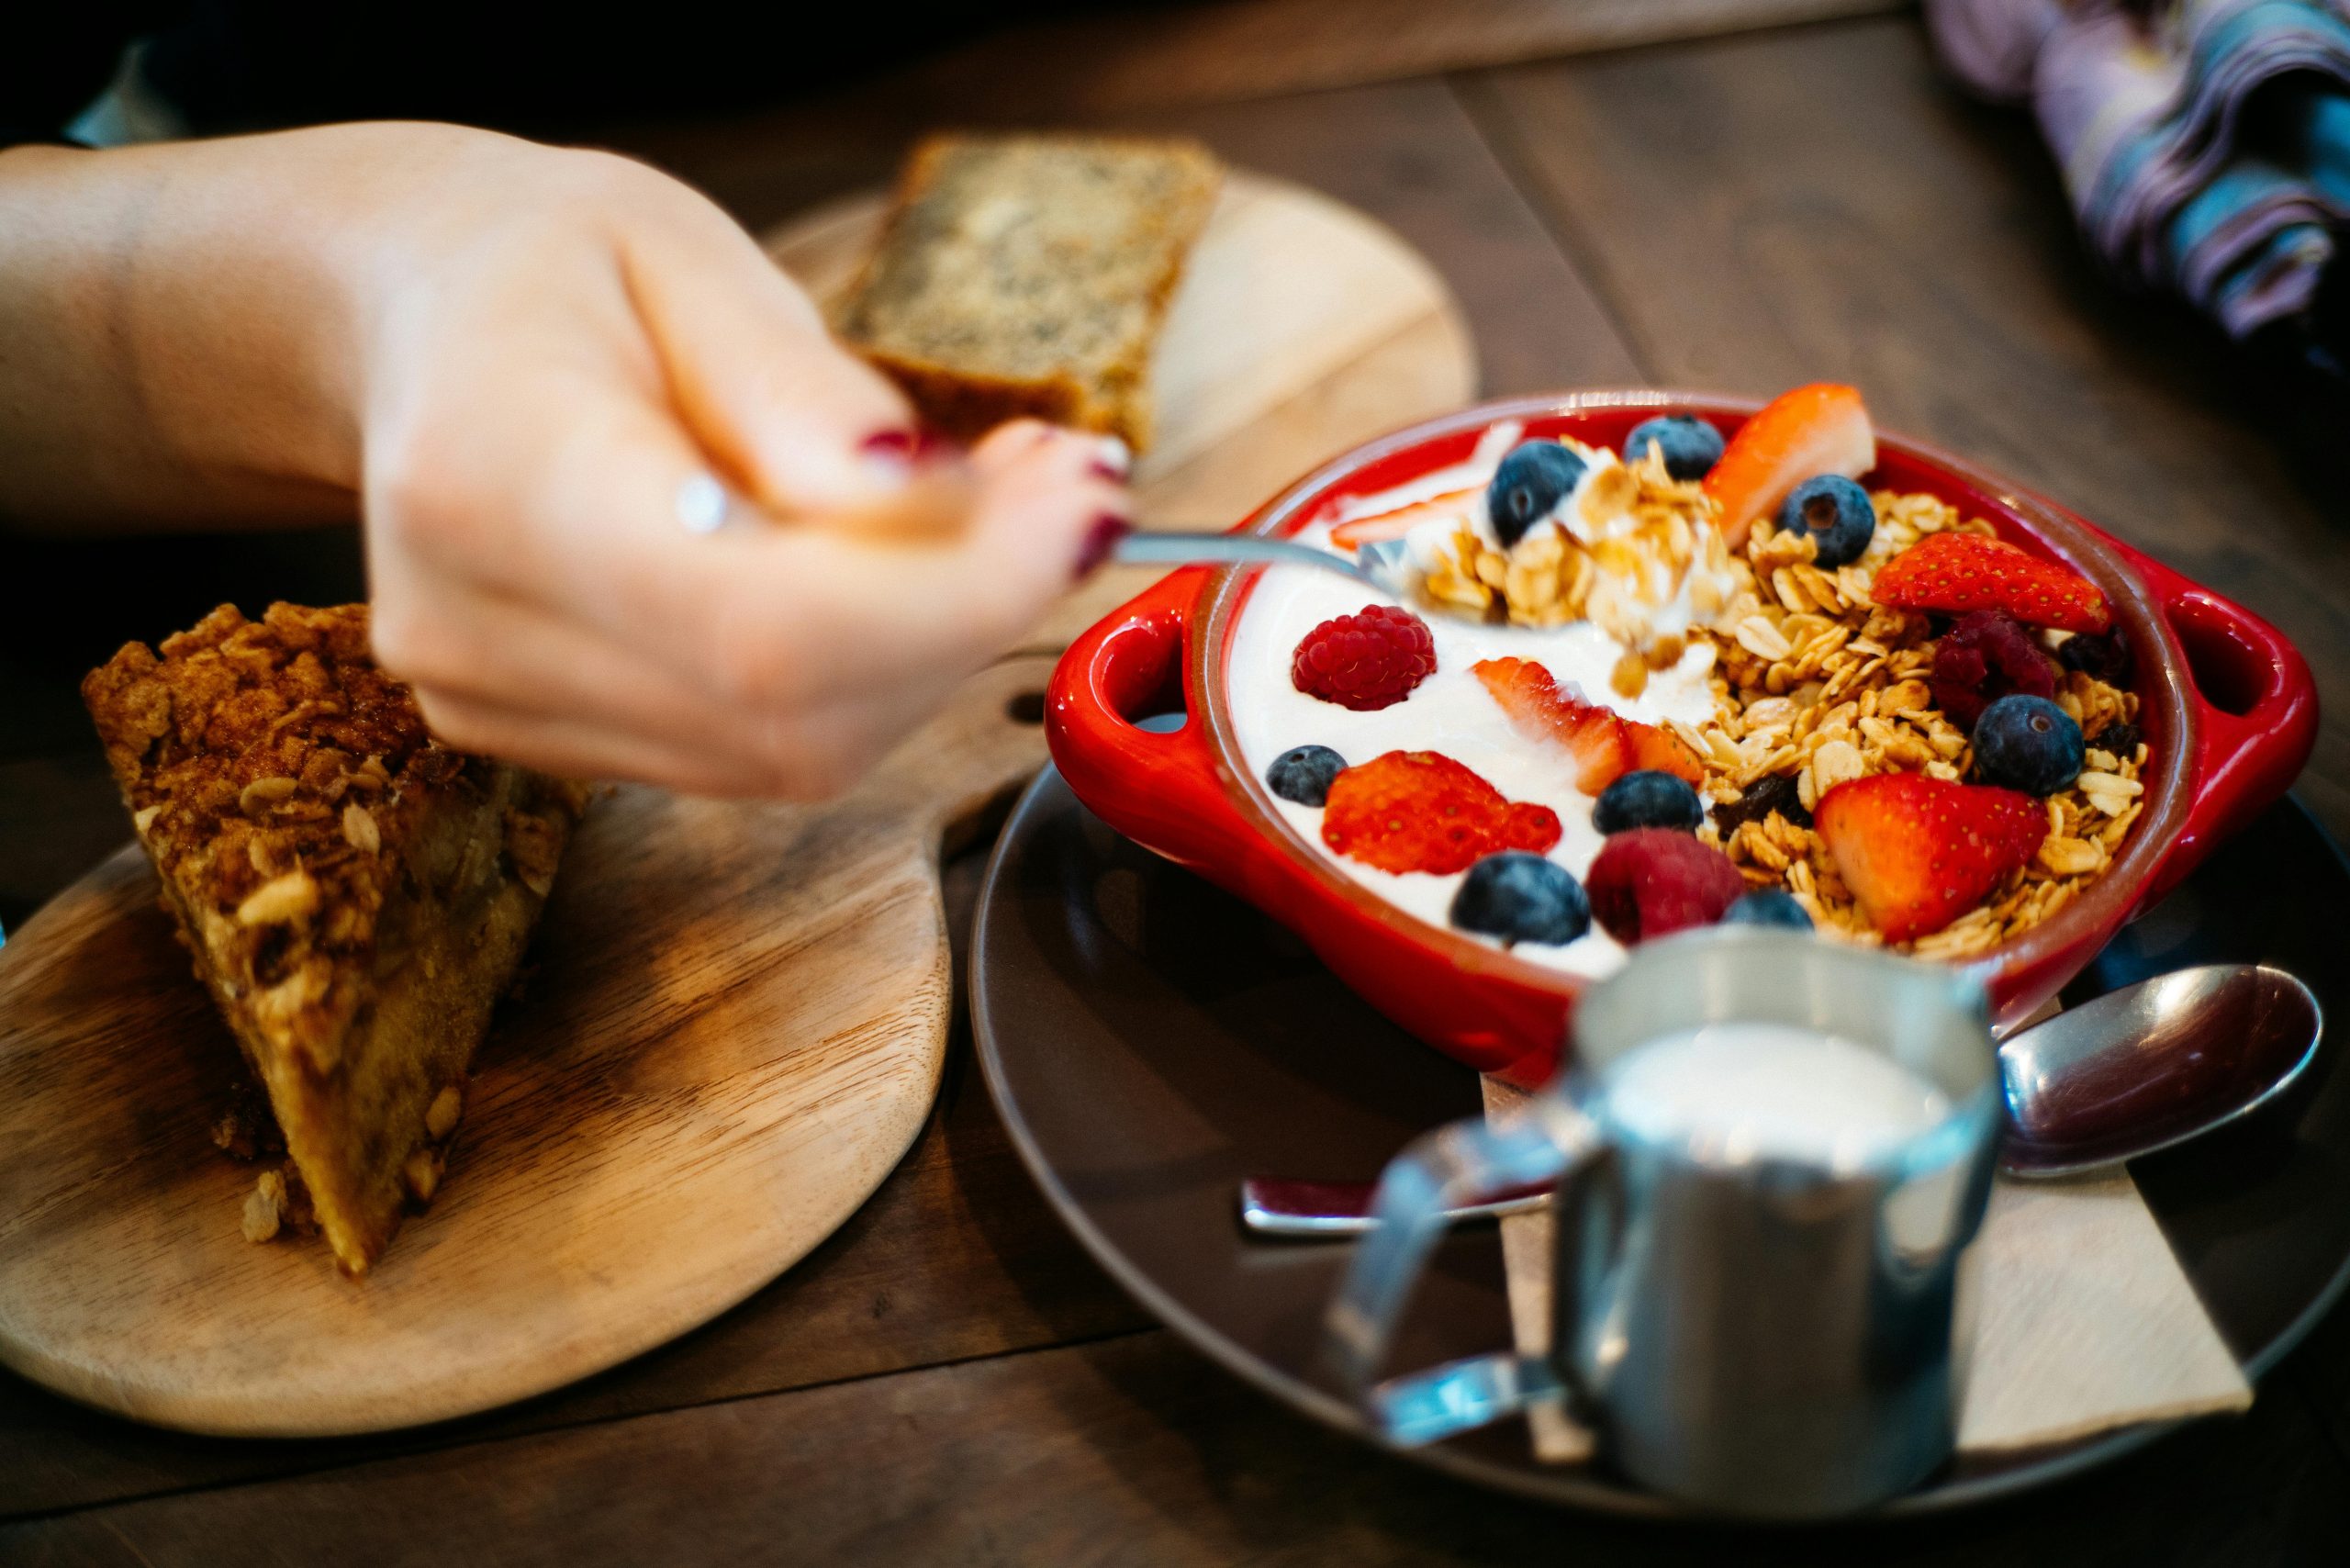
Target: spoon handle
<point>1272,1207</point>
<point>1250,549</point>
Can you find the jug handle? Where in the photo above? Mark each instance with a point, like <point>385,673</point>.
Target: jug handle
<point>1466,1163</point>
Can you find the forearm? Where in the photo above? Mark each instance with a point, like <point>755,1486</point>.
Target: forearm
<point>182,327</point>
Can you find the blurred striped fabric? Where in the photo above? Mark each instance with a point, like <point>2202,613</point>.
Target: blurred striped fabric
<point>2205,144</point>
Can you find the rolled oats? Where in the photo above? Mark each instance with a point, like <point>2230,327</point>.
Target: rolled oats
<point>1815,681</point>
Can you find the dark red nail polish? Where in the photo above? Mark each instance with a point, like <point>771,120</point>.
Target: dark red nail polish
<point>1099,540</point>
<point>913,448</point>
<point>1107,471</point>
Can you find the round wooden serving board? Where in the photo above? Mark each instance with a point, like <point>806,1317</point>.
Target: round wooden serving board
<point>734,1029</point>
<point>738,1013</point>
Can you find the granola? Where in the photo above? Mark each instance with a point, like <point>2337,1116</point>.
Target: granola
<point>1638,557</point>
<point>1817,683</point>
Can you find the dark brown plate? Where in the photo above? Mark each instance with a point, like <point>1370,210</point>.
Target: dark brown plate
<point>1151,1041</point>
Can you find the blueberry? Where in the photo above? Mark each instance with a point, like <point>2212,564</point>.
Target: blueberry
<point>1690,446</point>
<point>1522,897</point>
<point>1648,799</point>
<point>1534,477</point>
<point>1767,906</point>
<point>2028,744</point>
<point>1836,512</point>
<point>1303,773</point>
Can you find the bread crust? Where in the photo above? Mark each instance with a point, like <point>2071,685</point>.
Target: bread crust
<point>967,394</point>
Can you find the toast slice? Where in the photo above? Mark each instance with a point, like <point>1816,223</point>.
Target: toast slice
<point>1028,275</point>
<point>356,895</point>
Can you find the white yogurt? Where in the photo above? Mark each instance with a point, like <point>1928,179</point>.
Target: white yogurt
<point>1450,711</point>
<point>1748,1091</point>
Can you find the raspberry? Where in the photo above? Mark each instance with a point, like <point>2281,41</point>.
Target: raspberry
<point>1652,882</point>
<point>1420,810</point>
<point>1365,661</point>
<point>1985,657</point>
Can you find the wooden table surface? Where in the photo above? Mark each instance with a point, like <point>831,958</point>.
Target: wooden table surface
<point>950,1379</point>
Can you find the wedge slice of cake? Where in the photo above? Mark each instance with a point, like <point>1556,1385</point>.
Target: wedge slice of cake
<point>1029,276</point>
<point>356,895</point>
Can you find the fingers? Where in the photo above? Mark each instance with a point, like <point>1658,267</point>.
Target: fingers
<point>800,423</point>
<point>801,757</point>
<point>576,748</point>
<point>801,615</point>
<point>509,678</point>
<point>448,637</point>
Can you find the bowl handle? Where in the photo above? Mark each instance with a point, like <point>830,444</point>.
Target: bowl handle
<point>1163,789</point>
<point>2255,709</point>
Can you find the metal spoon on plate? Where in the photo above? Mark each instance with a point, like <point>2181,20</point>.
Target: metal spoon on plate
<point>2132,1071</point>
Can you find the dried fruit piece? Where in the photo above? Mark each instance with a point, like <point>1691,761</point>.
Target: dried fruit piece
<point>2105,658</point>
<point>1780,792</point>
<point>1420,810</point>
<point>1365,661</point>
<point>2120,737</point>
<point>1920,852</point>
<point>1604,745</point>
<point>1953,573</point>
<point>1652,882</point>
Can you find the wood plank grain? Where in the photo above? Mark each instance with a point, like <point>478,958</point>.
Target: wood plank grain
<point>735,1028</point>
<point>1817,204</point>
<point>1404,151</point>
<point>956,1256</point>
<point>1122,59</point>
<point>1124,1451</point>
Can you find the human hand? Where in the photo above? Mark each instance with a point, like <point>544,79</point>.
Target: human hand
<point>534,372</point>
<point>551,386</point>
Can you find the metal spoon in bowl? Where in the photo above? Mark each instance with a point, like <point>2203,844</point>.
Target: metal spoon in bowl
<point>2132,1071</point>
<point>1381,567</point>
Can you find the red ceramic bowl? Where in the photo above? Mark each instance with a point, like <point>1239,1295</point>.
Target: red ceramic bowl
<point>2227,707</point>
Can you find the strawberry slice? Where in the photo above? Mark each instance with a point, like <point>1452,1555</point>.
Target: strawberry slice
<point>1955,573</point>
<point>1819,429</point>
<point>1382,526</point>
<point>1604,745</point>
<point>1920,852</point>
<point>1420,810</point>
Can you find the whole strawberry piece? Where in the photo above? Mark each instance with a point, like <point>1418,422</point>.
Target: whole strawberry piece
<point>1365,661</point>
<point>1652,882</point>
<point>1955,573</point>
<point>1920,852</point>
<point>1420,810</point>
